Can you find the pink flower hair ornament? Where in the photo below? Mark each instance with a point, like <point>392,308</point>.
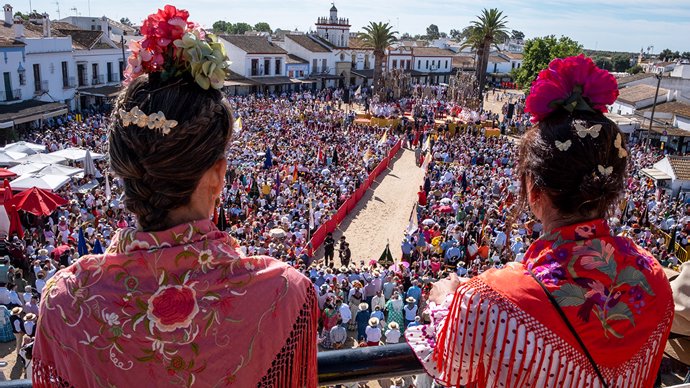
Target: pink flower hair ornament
<point>573,83</point>
<point>172,46</point>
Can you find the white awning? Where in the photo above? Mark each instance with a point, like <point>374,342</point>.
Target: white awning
<point>656,174</point>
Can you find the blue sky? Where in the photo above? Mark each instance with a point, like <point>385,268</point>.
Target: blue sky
<point>621,25</point>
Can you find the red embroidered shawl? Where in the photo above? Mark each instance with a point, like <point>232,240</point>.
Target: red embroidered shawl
<point>180,307</point>
<point>499,329</point>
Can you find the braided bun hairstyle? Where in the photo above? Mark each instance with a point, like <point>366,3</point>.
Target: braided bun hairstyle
<point>578,159</point>
<point>160,172</point>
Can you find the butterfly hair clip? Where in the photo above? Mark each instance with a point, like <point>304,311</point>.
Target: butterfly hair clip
<point>618,143</point>
<point>605,171</point>
<point>591,131</point>
<point>563,146</point>
<point>154,121</point>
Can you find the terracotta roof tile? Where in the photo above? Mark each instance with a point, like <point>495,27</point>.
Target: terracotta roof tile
<point>308,43</point>
<point>637,93</point>
<point>680,166</point>
<point>431,52</point>
<point>253,44</point>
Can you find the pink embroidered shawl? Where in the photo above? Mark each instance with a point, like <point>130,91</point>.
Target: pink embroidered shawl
<point>180,307</point>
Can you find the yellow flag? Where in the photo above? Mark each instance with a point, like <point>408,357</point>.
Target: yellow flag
<point>238,125</point>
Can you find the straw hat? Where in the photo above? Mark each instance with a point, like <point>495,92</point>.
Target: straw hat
<point>17,310</point>
<point>363,306</point>
<point>30,317</point>
<point>410,300</point>
<point>343,269</point>
<point>393,325</point>
<point>679,348</point>
<point>374,322</point>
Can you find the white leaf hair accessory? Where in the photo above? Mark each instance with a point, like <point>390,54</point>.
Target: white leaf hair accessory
<point>563,146</point>
<point>154,121</point>
<point>591,131</point>
<point>618,143</point>
<point>605,171</point>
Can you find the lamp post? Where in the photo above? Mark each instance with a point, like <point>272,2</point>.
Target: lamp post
<point>656,95</point>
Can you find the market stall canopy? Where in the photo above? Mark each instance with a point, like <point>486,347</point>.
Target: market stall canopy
<point>27,168</point>
<point>37,202</point>
<point>42,158</point>
<point>56,169</point>
<point>25,147</point>
<point>76,154</point>
<point>41,181</point>
<point>9,158</point>
<point>5,173</point>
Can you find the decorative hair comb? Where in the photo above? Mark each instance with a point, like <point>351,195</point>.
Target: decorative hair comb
<point>173,46</point>
<point>591,131</point>
<point>155,121</point>
<point>573,83</point>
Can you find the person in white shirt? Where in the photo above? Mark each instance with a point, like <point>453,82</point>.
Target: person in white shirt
<point>373,332</point>
<point>338,335</point>
<point>378,301</point>
<point>393,333</point>
<point>40,282</point>
<point>5,297</point>
<point>345,313</point>
<point>410,311</point>
<point>14,297</point>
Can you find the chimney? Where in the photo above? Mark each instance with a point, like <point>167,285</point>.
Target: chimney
<point>46,25</point>
<point>8,14</point>
<point>105,26</point>
<point>18,28</point>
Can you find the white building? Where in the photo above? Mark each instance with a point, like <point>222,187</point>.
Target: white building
<point>671,173</point>
<point>37,68</point>
<point>334,29</point>
<point>258,60</point>
<point>99,24</point>
<point>637,97</point>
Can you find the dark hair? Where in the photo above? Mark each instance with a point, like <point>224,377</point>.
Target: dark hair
<point>585,179</point>
<point>160,172</point>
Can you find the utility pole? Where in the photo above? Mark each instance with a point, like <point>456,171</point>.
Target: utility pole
<point>58,9</point>
<point>124,60</point>
<point>656,94</point>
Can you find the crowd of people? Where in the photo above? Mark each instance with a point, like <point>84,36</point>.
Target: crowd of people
<point>293,161</point>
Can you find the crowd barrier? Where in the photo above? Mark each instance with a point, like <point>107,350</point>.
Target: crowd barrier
<point>381,122</point>
<point>320,235</point>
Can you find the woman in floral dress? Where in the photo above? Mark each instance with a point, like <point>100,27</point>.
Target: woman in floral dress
<point>587,308</point>
<point>394,310</point>
<point>174,302</point>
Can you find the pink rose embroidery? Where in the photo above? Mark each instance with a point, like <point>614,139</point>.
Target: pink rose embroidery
<point>172,307</point>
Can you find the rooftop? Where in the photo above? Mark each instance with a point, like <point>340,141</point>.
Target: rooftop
<point>292,58</point>
<point>308,43</point>
<point>637,93</point>
<point>253,44</point>
<point>680,166</point>
<point>632,78</point>
<point>674,107</point>
<point>431,52</point>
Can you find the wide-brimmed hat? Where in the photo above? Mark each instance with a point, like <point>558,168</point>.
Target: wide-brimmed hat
<point>30,317</point>
<point>410,300</point>
<point>679,348</point>
<point>363,306</point>
<point>374,321</point>
<point>393,325</point>
<point>343,269</point>
<point>17,310</point>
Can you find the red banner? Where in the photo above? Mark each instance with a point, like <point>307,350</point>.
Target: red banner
<point>320,235</point>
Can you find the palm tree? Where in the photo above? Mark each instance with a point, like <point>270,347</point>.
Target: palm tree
<point>489,28</point>
<point>379,37</point>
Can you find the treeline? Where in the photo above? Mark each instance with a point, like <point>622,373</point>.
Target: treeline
<point>223,27</point>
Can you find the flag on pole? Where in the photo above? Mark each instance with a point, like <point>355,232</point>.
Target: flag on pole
<point>427,144</point>
<point>238,125</point>
<point>311,216</point>
<point>108,192</point>
<point>384,138</point>
<point>358,92</point>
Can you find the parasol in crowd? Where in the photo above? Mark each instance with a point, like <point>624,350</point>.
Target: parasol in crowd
<point>37,201</point>
<point>81,245</point>
<point>89,166</point>
<point>222,220</point>
<point>11,210</point>
<point>5,173</point>
<point>445,209</point>
<point>97,248</point>
<point>428,222</point>
<point>277,233</point>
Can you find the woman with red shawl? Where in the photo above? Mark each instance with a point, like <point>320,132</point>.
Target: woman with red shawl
<point>174,302</point>
<point>586,309</point>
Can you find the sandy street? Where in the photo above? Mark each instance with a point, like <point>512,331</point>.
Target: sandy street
<point>383,213</point>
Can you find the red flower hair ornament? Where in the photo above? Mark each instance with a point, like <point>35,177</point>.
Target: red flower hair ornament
<point>573,83</point>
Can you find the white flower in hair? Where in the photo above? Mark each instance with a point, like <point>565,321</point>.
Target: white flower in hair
<point>563,146</point>
<point>605,171</point>
<point>155,121</point>
<point>592,131</point>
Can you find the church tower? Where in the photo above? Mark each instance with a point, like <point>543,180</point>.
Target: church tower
<point>333,29</point>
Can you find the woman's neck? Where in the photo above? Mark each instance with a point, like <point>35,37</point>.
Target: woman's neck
<point>559,221</point>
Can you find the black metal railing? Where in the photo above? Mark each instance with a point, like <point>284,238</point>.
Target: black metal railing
<point>343,366</point>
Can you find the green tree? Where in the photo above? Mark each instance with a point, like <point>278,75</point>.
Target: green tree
<point>21,15</point>
<point>455,34</point>
<point>685,55</point>
<point>432,32</point>
<point>635,69</point>
<point>604,63</point>
<point>406,35</point>
<point>517,35</point>
<point>666,54</point>
<point>539,52</point>
<point>126,22</point>
<point>378,36</point>
<point>621,62</point>
<point>220,26</point>
<point>263,27</point>
<point>240,28</point>
<point>489,29</point>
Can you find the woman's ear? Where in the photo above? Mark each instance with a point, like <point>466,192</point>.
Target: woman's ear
<point>220,168</point>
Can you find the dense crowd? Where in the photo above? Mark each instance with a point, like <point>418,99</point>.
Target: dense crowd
<point>294,160</point>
